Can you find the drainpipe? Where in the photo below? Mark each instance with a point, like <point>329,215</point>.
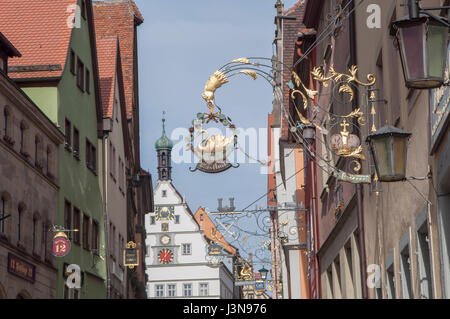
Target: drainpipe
<point>105,215</point>
<point>360,213</point>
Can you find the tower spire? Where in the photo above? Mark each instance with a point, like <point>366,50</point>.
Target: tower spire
<point>163,148</point>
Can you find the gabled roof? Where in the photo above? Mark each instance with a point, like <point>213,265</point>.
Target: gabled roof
<point>109,66</point>
<point>119,18</point>
<point>211,232</point>
<point>40,33</point>
<point>107,50</point>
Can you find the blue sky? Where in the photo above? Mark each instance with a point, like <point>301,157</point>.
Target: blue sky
<point>181,43</point>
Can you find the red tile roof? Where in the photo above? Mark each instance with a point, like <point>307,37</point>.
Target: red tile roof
<point>107,64</point>
<point>119,18</point>
<point>40,33</point>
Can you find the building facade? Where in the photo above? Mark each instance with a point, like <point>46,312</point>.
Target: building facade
<point>28,190</point>
<point>121,18</point>
<point>116,155</point>
<point>176,245</point>
<point>61,76</point>
<point>393,232</point>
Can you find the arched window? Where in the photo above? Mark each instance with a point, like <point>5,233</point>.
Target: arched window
<point>23,127</point>
<point>6,121</point>
<point>20,213</point>
<point>48,161</point>
<point>35,233</point>
<point>37,146</point>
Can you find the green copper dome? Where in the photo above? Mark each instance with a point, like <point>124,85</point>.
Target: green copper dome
<point>163,142</point>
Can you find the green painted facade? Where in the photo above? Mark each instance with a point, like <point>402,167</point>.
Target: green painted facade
<point>78,184</point>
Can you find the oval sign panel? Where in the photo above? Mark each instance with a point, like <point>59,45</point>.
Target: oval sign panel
<point>61,245</point>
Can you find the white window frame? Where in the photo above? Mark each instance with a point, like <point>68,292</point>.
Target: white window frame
<point>185,289</point>
<point>184,251</point>
<point>169,290</point>
<point>201,289</point>
<point>157,291</point>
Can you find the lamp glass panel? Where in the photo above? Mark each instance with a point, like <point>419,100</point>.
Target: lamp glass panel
<point>383,153</point>
<point>411,41</point>
<point>437,49</point>
<point>400,155</point>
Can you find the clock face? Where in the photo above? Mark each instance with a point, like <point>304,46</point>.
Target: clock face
<point>165,240</point>
<point>165,256</point>
<point>165,213</point>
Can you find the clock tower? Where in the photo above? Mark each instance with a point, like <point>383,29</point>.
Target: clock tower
<point>163,148</point>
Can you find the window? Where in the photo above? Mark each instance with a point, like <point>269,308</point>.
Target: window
<point>19,223</point>
<point>112,160</point>
<point>22,138</point>
<point>35,225</point>
<point>95,236</point>
<point>251,296</point>
<point>68,131</point>
<point>45,233</point>
<point>186,249</point>
<point>68,216</point>
<point>88,78</point>
<point>48,161</point>
<point>2,215</point>
<point>72,61</point>
<point>405,273</point>
<point>164,227</point>
<point>159,290</point>
<point>201,217</point>
<point>152,220</point>
<point>424,261</point>
<point>177,219</point>
<point>6,122</point>
<point>86,232</point>
<point>91,157</point>
<point>76,143</point>
<point>164,193</point>
<point>37,151</point>
<point>83,9</point>
<point>390,276</point>
<point>80,75</point>
<point>187,290</point>
<point>76,225</point>
<point>171,290</point>
<point>203,290</point>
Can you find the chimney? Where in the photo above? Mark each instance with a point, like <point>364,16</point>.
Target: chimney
<point>232,203</point>
<point>220,204</point>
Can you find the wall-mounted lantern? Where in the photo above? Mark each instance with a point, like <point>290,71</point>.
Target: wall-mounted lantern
<point>422,40</point>
<point>388,146</point>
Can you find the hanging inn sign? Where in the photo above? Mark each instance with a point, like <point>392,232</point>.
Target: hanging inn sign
<point>131,255</point>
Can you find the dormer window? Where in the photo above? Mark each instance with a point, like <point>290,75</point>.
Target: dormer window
<point>164,193</point>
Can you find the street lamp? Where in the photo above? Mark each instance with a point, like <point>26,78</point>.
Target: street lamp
<point>422,40</point>
<point>388,148</point>
<point>263,272</point>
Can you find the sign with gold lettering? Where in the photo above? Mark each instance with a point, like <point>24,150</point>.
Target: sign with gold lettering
<point>131,255</point>
<point>21,268</point>
<point>61,245</point>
